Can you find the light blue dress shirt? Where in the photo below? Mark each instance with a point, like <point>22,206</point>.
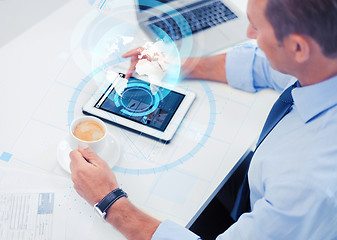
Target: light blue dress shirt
<point>293,174</point>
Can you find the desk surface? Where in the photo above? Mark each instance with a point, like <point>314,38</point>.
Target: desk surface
<point>51,70</point>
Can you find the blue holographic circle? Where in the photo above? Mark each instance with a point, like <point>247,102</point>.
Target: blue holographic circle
<point>206,135</point>
<point>138,86</point>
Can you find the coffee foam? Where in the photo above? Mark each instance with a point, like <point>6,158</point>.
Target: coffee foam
<point>89,130</point>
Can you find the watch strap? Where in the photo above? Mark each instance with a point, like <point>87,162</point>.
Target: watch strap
<point>108,200</point>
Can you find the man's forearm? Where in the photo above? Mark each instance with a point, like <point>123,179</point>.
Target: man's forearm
<point>130,221</point>
<point>209,68</point>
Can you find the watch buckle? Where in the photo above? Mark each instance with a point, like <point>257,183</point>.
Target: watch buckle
<point>99,212</point>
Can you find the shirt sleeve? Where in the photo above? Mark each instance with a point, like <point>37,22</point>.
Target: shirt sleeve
<point>248,69</point>
<point>169,230</point>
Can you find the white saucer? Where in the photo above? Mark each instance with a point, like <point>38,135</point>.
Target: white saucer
<point>110,154</point>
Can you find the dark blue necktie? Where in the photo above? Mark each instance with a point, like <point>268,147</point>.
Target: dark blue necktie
<point>281,108</point>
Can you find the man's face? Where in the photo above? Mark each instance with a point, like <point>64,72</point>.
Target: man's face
<point>260,29</point>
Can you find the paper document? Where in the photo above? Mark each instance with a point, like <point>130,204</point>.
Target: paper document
<point>26,216</point>
<point>36,206</point>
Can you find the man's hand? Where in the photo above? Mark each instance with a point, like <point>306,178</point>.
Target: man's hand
<point>208,68</point>
<point>93,180</point>
<point>92,177</point>
<point>134,54</point>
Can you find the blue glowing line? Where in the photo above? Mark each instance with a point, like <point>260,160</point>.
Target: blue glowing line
<point>190,154</point>
<point>165,167</point>
<point>186,47</point>
<point>102,4</point>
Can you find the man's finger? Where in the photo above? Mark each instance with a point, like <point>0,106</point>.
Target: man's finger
<point>129,73</point>
<point>90,155</point>
<point>147,57</point>
<point>76,160</point>
<point>133,52</point>
<point>132,67</point>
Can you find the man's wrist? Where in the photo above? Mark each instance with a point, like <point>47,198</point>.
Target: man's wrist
<point>117,209</point>
<point>103,206</point>
<point>209,68</point>
<point>131,221</point>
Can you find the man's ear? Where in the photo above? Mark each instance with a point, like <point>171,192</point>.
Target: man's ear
<point>299,47</point>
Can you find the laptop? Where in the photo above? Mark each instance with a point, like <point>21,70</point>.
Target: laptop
<point>204,26</point>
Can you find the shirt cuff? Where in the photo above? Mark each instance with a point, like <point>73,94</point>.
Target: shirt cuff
<point>239,67</point>
<point>169,230</point>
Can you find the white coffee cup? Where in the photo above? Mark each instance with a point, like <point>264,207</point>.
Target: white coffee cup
<point>88,131</point>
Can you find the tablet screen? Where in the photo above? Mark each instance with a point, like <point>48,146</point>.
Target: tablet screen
<point>141,102</point>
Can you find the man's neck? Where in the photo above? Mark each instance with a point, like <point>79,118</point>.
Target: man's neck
<point>317,69</point>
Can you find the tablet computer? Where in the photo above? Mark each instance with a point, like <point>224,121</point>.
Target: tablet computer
<point>153,110</point>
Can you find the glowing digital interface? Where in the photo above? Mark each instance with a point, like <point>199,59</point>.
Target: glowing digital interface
<point>175,178</point>
<point>139,103</point>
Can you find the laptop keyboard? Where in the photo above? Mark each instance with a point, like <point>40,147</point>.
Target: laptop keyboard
<point>198,19</point>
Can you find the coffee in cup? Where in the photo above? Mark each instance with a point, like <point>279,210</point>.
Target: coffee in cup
<point>88,130</point>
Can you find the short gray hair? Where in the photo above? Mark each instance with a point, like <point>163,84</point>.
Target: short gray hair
<point>314,18</point>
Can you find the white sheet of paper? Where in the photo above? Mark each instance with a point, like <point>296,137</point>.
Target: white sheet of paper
<point>30,205</point>
<point>36,206</point>
<point>26,215</point>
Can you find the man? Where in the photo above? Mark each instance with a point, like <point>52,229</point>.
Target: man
<point>293,174</point>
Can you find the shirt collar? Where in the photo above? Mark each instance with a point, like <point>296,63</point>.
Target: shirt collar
<point>314,99</point>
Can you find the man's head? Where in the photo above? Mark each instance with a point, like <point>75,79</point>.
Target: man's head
<point>316,19</point>
<point>299,37</point>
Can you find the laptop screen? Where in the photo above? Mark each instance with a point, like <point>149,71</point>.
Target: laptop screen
<point>147,4</point>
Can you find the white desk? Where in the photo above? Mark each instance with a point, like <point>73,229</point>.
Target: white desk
<point>46,76</point>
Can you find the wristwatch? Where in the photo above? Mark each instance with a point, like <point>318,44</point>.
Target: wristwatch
<point>102,207</point>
